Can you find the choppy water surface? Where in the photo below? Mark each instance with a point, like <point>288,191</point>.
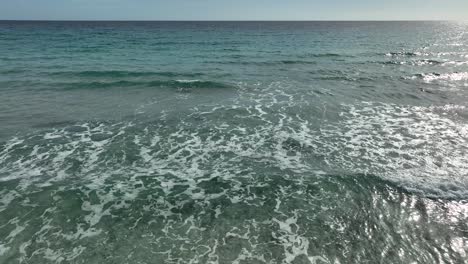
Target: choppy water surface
<point>233,142</point>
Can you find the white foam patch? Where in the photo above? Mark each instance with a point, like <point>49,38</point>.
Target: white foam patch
<point>188,81</point>
<point>455,63</point>
<point>6,197</point>
<point>3,249</point>
<point>294,244</point>
<point>415,146</point>
<point>456,76</point>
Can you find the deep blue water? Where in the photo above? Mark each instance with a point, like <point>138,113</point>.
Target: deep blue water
<point>233,142</point>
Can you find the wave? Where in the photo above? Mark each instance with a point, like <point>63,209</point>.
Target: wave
<point>121,74</point>
<point>418,148</point>
<point>405,53</point>
<point>12,71</point>
<point>366,181</point>
<point>424,54</point>
<point>159,83</point>
<point>300,59</point>
<point>328,55</point>
<point>297,62</point>
<point>265,63</point>
<point>205,43</point>
<point>337,75</point>
<point>431,77</point>
<point>343,78</point>
<point>413,62</point>
<point>424,62</point>
<point>455,63</point>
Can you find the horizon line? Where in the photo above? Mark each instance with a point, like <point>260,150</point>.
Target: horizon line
<point>236,20</point>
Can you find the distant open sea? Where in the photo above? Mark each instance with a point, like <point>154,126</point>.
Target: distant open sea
<point>233,142</point>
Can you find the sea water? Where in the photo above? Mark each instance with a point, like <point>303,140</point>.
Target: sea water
<point>233,142</point>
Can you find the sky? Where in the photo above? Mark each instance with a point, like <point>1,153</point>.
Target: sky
<point>234,9</point>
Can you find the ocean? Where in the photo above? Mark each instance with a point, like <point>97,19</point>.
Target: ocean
<point>233,142</point>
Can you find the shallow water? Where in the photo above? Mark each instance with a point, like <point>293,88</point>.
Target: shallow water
<point>233,142</point>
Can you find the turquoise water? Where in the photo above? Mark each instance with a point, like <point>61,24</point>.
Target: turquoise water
<point>233,142</point>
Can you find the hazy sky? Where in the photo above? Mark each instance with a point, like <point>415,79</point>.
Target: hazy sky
<point>234,9</point>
